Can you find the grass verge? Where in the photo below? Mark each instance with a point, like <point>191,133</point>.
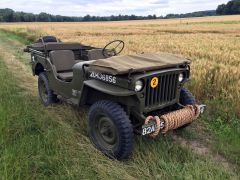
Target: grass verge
<point>23,35</point>
<point>32,143</point>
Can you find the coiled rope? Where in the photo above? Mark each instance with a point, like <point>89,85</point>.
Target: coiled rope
<point>174,120</point>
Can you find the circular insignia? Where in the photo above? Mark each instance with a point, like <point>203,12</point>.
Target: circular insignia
<point>154,82</point>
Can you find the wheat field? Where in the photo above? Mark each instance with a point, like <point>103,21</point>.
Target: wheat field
<point>212,43</point>
<point>56,145</point>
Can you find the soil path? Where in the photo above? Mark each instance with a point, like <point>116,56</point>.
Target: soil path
<point>204,150</point>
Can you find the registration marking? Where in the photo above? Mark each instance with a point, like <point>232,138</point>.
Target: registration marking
<point>104,77</point>
<point>148,128</point>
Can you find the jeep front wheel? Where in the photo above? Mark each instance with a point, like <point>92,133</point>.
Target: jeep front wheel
<point>110,129</point>
<point>186,98</point>
<point>45,93</point>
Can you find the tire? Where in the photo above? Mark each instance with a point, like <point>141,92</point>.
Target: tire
<point>186,98</point>
<point>45,93</point>
<point>110,129</point>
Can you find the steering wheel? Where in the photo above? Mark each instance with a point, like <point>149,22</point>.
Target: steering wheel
<point>118,46</point>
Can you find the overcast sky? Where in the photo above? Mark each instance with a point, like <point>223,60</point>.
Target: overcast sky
<point>110,7</point>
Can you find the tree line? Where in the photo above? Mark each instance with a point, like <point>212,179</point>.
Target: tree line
<point>9,15</point>
<point>232,7</point>
<point>193,14</point>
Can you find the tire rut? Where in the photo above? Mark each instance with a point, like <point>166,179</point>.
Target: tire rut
<point>204,150</point>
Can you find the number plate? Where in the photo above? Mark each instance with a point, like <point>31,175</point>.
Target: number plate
<point>148,128</point>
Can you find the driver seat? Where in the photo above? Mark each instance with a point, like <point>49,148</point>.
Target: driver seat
<point>63,60</point>
<point>95,54</point>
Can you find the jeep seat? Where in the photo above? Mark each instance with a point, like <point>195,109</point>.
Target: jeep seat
<point>63,60</point>
<point>66,76</point>
<point>46,39</point>
<point>95,54</point>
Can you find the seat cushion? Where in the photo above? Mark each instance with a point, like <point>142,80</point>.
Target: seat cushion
<point>95,54</point>
<point>65,76</point>
<point>62,59</point>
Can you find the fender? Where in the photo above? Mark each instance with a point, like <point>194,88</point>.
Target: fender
<point>37,62</point>
<point>108,88</point>
<point>106,91</point>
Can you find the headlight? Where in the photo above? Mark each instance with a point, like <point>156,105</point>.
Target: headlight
<point>139,86</point>
<point>181,77</point>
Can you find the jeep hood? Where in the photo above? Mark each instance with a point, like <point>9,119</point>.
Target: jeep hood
<point>137,63</point>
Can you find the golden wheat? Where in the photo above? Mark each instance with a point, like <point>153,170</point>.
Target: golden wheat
<point>212,43</point>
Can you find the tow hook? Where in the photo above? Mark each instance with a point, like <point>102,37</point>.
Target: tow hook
<point>202,108</point>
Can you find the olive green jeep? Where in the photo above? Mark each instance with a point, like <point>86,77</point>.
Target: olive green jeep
<point>132,94</point>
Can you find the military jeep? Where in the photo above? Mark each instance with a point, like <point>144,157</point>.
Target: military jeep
<point>130,94</point>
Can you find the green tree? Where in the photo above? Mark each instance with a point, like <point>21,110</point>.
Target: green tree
<point>44,17</point>
<point>232,7</point>
<point>7,15</point>
<point>87,18</point>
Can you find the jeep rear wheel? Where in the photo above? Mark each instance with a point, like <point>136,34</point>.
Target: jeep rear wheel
<point>45,93</point>
<point>110,129</point>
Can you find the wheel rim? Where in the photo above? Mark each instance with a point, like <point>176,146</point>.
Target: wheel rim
<point>43,91</point>
<point>106,132</point>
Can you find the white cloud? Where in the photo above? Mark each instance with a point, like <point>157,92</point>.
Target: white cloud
<point>109,7</point>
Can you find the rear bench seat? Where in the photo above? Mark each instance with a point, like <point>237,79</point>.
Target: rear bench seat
<point>64,61</point>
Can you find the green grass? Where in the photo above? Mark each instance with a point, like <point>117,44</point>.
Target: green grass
<point>32,143</point>
<point>15,36</point>
<point>23,35</point>
<point>225,127</point>
<point>52,143</point>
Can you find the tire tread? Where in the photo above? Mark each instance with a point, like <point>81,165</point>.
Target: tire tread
<point>123,125</point>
